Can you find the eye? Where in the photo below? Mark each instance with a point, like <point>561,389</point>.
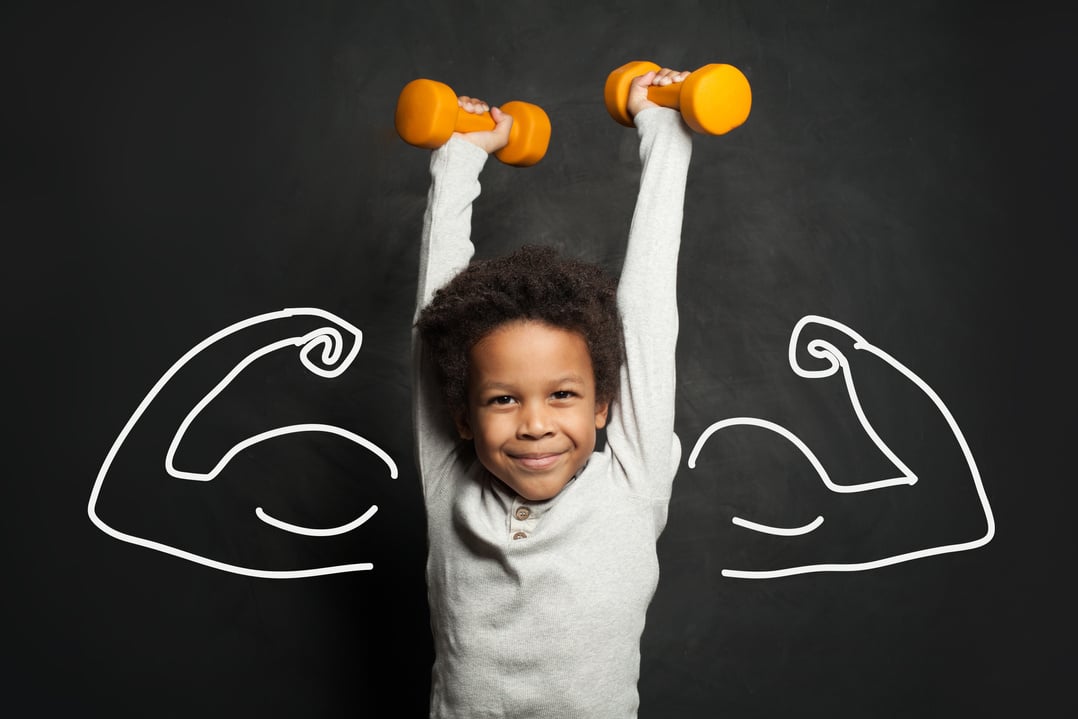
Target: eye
<point>500,400</point>
<point>563,394</point>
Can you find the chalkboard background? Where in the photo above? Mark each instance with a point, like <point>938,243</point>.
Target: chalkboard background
<point>172,170</point>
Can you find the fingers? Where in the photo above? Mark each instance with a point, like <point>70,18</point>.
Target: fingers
<point>638,89</point>
<point>666,76</point>
<point>502,121</point>
<point>490,140</point>
<point>472,105</point>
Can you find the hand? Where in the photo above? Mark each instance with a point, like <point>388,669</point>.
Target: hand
<point>638,89</point>
<point>488,140</point>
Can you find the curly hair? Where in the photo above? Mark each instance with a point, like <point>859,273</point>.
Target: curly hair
<point>532,283</point>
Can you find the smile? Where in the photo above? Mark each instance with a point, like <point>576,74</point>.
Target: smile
<point>537,462</point>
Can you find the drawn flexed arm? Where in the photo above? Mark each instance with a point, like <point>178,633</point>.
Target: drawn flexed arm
<point>831,360</point>
<point>326,350</point>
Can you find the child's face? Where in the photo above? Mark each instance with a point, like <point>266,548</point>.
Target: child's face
<point>532,410</point>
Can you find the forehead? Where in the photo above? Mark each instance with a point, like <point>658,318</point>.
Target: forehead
<point>530,349</point>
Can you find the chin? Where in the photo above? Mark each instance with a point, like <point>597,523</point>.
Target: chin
<point>540,496</point>
<point>537,492</point>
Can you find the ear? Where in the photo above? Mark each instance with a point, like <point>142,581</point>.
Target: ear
<point>461,420</point>
<point>601,411</point>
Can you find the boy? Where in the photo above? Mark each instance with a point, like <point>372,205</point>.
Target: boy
<point>541,551</point>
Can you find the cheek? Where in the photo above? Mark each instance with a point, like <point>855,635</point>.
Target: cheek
<point>585,425</point>
<point>490,429</point>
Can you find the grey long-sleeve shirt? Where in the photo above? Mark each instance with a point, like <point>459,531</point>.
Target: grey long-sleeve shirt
<point>549,625</point>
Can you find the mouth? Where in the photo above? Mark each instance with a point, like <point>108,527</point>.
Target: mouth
<point>536,461</point>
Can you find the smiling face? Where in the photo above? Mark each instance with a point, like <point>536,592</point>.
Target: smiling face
<point>532,410</point>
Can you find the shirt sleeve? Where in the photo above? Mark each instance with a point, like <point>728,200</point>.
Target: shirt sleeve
<point>640,435</point>
<point>445,249</point>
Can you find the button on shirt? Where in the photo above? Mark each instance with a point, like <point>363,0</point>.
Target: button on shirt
<point>523,519</point>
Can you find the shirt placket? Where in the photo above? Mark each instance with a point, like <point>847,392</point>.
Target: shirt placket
<point>522,520</point>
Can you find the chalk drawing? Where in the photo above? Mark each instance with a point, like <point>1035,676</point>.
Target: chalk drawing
<point>838,362</point>
<point>333,361</point>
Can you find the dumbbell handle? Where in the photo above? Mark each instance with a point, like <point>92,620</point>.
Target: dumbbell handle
<point>473,121</point>
<point>666,95</point>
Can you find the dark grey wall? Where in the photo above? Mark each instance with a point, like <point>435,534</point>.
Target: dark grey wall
<point>173,170</point>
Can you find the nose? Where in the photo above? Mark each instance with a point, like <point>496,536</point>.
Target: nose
<point>535,421</point>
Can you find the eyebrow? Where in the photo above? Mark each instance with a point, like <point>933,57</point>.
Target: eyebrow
<point>495,385</point>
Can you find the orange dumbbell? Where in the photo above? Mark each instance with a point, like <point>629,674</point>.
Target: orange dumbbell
<point>428,115</point>
<point>713,100</point>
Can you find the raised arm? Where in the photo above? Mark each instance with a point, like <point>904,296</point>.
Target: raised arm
<point>445,249</point>
<point>445,244</point>
<point>641,430</point>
